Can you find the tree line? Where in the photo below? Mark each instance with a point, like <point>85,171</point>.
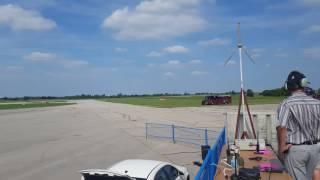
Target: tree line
<point>98,96</point>
<point>272,92</point>
<point>282,92</point>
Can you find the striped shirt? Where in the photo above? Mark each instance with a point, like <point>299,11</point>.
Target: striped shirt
<point>300,114</point>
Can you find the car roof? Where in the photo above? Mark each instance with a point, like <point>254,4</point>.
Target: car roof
<point>137,168</point>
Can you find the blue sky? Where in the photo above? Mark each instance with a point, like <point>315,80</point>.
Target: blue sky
<point>55,47</point>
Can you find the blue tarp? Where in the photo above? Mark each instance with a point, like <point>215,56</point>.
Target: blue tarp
<point>208,169</point>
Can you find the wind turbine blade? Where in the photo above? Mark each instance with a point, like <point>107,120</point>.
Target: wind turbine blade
<point>252,60</point>
<point>229,58</point>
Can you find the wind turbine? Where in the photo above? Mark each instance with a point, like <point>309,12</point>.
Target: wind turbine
<point>243,98</point>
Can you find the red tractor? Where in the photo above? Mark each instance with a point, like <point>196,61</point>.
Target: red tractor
<point>216,100</point>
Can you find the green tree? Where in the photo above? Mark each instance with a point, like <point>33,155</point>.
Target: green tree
<point>318,92</point>
<point>250,93</point>
<point>275,92</point>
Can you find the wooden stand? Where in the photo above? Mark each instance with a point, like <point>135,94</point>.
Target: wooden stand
<point>245,134</point>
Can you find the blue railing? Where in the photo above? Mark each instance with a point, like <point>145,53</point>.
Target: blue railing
<point>208,168</point>
<point>180,134</point>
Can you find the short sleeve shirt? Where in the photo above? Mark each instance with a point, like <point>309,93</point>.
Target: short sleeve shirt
<point>300,114</point>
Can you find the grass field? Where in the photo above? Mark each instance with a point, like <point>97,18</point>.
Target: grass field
<point>186,101</point>
<point>21,105</point>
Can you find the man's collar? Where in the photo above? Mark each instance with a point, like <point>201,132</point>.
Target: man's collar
<point>298,93</point>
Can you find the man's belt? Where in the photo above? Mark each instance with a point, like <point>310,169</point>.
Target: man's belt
<point>306,142</point>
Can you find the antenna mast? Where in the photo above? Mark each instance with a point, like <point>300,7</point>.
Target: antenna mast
<point>242,84</point>
<point>243,100</point>
<point>239,35</point>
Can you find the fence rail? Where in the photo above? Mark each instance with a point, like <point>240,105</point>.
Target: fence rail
<point>173,133</point>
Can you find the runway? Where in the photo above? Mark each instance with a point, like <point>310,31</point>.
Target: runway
<point>57,142</point>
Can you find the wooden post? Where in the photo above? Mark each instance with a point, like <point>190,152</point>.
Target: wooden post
<point>240,125</point>
<point>249,114</point>
<point>237,136</point>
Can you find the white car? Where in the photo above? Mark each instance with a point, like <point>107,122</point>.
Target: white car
<point>138,169</point>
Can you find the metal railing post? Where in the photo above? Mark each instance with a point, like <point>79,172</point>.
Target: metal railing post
<point>256,124</point>
<point>146,131</point>
<point>226,127</point>
<point>173,135</point>
<point>206,136</point>
<point>269,130</point>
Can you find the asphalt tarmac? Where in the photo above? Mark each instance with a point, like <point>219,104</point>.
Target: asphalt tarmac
<point>57,142</point>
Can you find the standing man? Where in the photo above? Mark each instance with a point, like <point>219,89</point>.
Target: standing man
<point>298,129</point>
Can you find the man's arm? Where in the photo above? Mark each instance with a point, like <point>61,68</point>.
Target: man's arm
<point>282,139</point>
<point>283,116</point>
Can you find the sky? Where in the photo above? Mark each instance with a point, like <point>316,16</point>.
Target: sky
<point>60,48</point>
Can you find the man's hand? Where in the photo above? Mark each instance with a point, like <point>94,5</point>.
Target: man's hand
<point>284,148</point>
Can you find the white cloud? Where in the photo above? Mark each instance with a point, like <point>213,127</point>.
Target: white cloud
<point>176,49</point>
<point>312,29</point>
<point>154,54</point>
<point>114,69</point>
<point>231,63</point>
<point>255,55</point>
<point>198,73</point>
<point>293,5</point>
<point>256,52</point>
<point>118,49</point>
<point>168,50</point>
<point>169,74</point>
<point>163,6</point>
<point>215,42</point>
<point>280,6</point>
<point>174,62</point>
<point>311,3</point>
<point>312,53</point>
<point>281,55</point>
<point>14,68</point>
<point>74,63</point>
<point>40,56</point>
<point>37,4</point>
<point>18,18</point>
<point>195,61</point>
<point>151,65</point>
<point>156,19</point>
<point>53,58</point>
